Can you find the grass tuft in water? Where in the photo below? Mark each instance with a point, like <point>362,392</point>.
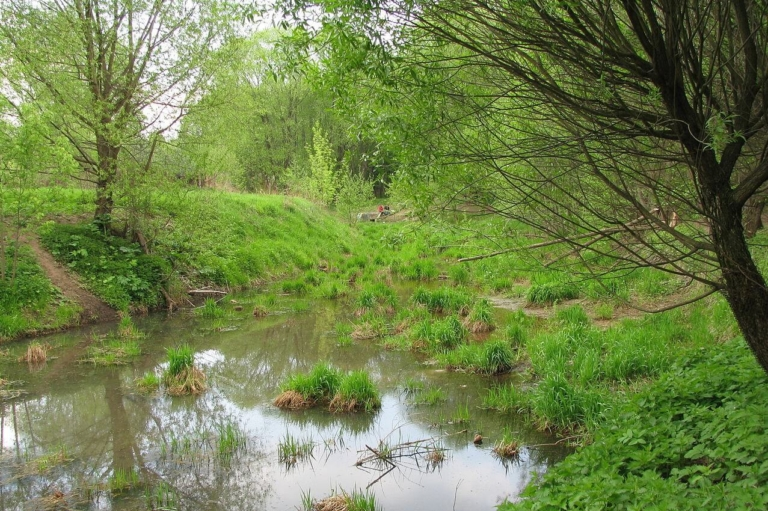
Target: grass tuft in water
<point>150,382</point>
<point>291,450</point>
<point>507,446</point>
<point>358,500</point>
<point>182,377</point>
<point>210,309</point>
<point>303,390</point>
<point>356,392</point>
<point>37,353</point>
<point>230,440</point>
<point>122,480</point>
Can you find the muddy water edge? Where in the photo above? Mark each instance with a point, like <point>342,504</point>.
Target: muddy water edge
<point>82,436</point>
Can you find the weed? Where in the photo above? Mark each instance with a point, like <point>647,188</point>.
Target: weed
<point>122,480</point>
<point>459,274</point>
<point>508,398</point>
<point>304,390</point>
<point>496,357</point>
<point>412,386</point>
<point>230,439</point>
<point>507,446</point>
<point>37,353</point>
<point>480,318</point>
<point>460,415</point>
<point>358,500</point>
<point>430,395</point>
<point>444,299</point>
<point>112,351</point>
<point>356,392</point>
<point>210,309</point>
<point>291,450</point>
<point>574,315</point>
<point>182,377</point>
<point>52,459</point>
<point>149,382</point>
<point>604,311</point>
<point>162,497</point>
<point>549,293</point>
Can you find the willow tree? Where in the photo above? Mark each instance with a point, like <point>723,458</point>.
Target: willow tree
<point>109,73</point>
<point>632,129</point>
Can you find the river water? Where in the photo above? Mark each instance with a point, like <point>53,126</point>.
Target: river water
<point>98,422</point>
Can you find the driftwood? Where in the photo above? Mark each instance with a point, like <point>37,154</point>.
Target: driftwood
<point>206,292</point>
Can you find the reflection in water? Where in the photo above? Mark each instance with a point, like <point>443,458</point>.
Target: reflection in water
<point>80,425</point>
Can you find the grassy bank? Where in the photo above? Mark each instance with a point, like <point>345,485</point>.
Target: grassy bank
<point>695,439</point>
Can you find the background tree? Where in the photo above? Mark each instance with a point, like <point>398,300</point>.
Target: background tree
<point>110,73</point>
<point>595,122</point>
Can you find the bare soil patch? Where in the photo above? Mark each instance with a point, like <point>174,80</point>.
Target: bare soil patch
<point>95,310</point>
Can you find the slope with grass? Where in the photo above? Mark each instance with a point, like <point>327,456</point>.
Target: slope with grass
<point>695,439</point>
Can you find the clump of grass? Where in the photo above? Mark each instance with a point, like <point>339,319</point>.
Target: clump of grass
<point>604,311</point>
<point>150,382</point>
<point>37,353</point>
<point>358,500</point>
<point>376,297</point>
<point>508,398</point>
<point>210,309</point>
<point>112,351</point>
<point>305,390</point>
<point>412,386</point>
<point>492,357</point>
<point>163,496</point>
<point>430,395</point>
<point>126,329</point>
<point>480,318</point>
<point>439,336</point>
<point>122,480</point>
<point>551,292</point>
<point>182,376</point>
<point>444,299</point>
<point>496,357</point>
<point>291,450</point>
<point>356,392</point>
<point>575,316</point>
<point>52,459</point>
<point>507,446</point>
<point>230,439</point>
<point>459,274</point>
<point>260,311</point>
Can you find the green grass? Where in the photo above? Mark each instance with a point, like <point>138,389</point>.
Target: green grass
<point>180,359</point>
<point>444,300</point>
<point>356,392</point>
<point>122,480</point>
<point>115,269</point>
<point>112,351</point>
<point>149,382</point>
<point>491,357</point>
<point>551,292</point>
<point>28,301</point>
<point>230,440</point>
<point>210,309</point>
<point>291,449</point>
<point>695,439</point>
<point>480,318</point>
<point>429,395</point>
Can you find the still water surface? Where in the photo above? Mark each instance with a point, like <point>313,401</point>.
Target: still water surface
<point>100,420</point>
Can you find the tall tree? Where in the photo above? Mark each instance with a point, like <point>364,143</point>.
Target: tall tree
<point>598,122</point>
<point>109,72</point>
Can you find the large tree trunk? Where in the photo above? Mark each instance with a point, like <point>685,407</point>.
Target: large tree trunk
<point>745,287</point>
<point>107,172</point>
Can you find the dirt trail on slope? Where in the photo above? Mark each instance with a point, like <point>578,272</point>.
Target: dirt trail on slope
<point>94,309</point>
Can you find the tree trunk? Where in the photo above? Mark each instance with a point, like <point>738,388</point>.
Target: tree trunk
<point>107,171</point>
<point>753,212</point>
<point>745,287</point>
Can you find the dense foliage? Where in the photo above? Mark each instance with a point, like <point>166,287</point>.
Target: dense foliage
<point>694,440</point>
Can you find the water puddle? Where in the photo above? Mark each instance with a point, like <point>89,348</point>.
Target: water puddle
<point>82,436</point>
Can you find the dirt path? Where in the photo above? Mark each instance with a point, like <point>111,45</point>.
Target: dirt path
<point>94,309</point>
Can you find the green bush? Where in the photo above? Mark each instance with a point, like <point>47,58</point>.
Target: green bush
<point>111,267</point>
